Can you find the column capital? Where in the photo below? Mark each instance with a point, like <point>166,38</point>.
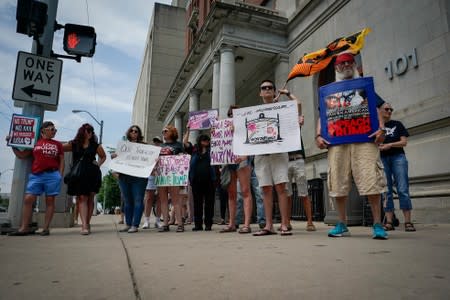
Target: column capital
<point>281,58</point>
<point>195,92</point>
<point>226,48</point>
<point>216,58</point>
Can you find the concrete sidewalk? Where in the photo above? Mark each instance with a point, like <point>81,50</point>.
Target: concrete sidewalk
<point>209,265</point>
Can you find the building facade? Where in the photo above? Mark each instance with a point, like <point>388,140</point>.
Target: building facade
<point>229,46</point>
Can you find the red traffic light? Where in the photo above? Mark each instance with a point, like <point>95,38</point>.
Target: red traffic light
<point>79,40</point>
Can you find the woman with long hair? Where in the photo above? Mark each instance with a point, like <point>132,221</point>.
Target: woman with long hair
<point>85,147</point>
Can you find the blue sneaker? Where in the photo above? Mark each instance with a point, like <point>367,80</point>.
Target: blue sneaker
<point>379,233</point>
<point>339,230</point>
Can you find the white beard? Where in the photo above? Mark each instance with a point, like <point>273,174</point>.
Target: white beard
<point>341,76</point>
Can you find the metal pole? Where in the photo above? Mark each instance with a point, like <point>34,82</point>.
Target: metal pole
<point>101,131</point>
<point>22,167</point>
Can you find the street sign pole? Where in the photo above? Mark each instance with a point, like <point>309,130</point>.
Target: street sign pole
<point>22,167</point>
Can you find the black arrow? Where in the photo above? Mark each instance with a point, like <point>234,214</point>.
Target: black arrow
<point>30,90</point>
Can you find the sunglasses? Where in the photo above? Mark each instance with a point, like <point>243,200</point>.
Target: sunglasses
<point>389,109</point>
<point>133,131</point>
<point>267,87</point>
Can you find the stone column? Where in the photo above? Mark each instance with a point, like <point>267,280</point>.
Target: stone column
<point>216,83</point>
<point>281,69</point>
<point>194,105</point>
<point>227,93</point>
<point>178,123</point>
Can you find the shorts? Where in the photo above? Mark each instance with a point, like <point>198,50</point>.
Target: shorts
<point>45,182</point>
<point>271,169</point>
<point>151,183</point>
<point>242,164</point>
<point>296,173</point>
<point>360,161</point>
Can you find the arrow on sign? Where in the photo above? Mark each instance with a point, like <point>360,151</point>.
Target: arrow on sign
<point>30,90</point>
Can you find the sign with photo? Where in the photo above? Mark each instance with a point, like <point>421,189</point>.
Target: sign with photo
<point>135,159</point>
<point>202,119</point>
<point>267,128</point>
<point>348,112</point>
<point>222,142</point>
<point>172,170</point>
<point>24,131</point>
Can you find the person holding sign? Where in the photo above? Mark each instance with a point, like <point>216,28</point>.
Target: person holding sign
<point>170,147</point>
<point>358,160</point>
<point>45,177</point>
<point>84,148</point>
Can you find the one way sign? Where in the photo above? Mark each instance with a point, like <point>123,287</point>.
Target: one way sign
<point>37,79</point>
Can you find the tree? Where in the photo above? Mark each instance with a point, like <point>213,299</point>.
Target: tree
<point>109,189</point>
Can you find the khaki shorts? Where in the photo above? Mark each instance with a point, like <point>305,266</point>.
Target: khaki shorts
<point>360,160</point>
<point>296,173</point>
<point>271,169</point>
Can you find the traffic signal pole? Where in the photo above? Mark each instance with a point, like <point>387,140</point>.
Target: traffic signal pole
<point>22,167</point>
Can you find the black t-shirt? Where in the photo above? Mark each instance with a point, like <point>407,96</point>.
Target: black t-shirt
<point>394,130</point>
<point>171,148</point>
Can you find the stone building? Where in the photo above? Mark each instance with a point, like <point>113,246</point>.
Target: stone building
<point>203,54</point>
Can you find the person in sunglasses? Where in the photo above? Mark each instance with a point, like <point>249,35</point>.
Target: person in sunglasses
<point>396,168</point>
<point>45,177</point>
<point>85,147</point>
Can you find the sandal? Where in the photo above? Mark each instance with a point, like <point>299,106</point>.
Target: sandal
<point>285,232</point>
<point>44,232</point>
<point>263,232</point>
<point>310,227</point>
<point>289,227</point>
<point>228,229</point>
<point>245,229</point>
<point>409,227</point>
<point>180,228</point>
<point>389,226</point>
<point>164,228</point>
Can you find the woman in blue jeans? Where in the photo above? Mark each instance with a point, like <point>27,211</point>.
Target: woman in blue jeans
<point>395,167</point>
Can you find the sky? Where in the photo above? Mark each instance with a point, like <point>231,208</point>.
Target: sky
<point>104,85</point>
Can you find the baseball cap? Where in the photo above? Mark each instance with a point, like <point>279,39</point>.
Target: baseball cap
<point>157,139</point>
<point>344,57</point>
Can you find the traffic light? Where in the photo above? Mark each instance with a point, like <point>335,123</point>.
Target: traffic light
<point>79,40</point>
<point>31,17</point>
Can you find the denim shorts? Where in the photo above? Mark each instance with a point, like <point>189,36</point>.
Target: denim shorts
<point>242,164</point>
<point>45,182</point>
<point>151,183</point>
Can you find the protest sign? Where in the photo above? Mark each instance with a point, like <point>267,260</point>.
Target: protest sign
<point>202,119</point>
<point>267,128</point>
<point>222,142</point>
<point>24,131</point>
<point>172,170</point>
<point>135,159</point>
<point>348,112</point>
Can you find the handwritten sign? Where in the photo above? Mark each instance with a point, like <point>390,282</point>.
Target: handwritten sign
<point>24,131</point>
<point>348,111</point>
<point>202,119</point>
<point>135,159</point>
<point>267,128</point>
<point>222,142</point>
<point>172,170</point>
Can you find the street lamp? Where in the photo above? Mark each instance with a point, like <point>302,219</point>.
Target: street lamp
<point>75,111</point>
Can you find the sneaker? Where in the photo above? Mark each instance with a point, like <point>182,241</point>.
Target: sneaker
<point>132,229</point>
<point>125,229</point>
<point>339,230</point>
<point>146,225</point>
<point>379,233</point>
<point>157,224</point>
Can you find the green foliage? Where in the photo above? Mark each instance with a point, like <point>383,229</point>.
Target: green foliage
<point>109,189</point>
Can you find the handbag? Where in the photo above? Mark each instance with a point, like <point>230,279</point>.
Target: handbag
<point>75,172</point>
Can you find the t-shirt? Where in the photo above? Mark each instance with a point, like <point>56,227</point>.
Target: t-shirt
<point>394,130</point>
<point>46,155</point>
<point>171,148</point>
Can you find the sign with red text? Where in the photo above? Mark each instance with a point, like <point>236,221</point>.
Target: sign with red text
<point>172,170</point>
<point>222,142</point>
<point>202,119</point>
<point>24,131</point>
<point>348,112</point>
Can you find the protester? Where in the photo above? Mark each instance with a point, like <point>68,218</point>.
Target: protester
<point>358,160</point>
<point>202,177</point>
<point>241,170</point>
<point>133,188</point>
<point>271,170</point>
<point>222,189</point>
<point>46,173</point>
<point>84,148</point>
<point>395,168</point>
<point>170,147</point>
<point>150,197</point>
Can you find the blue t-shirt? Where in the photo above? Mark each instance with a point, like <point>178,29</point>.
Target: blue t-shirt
<point>394,130</point>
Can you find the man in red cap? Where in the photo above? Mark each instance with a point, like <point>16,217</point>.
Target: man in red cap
<point>358,160</point>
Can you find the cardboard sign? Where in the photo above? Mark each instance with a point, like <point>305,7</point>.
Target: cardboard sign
<point>172,170</point>
<point>267,128</point>
<point>202,119</point>
<point>135,159</point>
<point>222,142</point>
<point>348,112</point>
<point>24,131</point>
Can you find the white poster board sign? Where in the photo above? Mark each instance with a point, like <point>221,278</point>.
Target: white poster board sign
<point>173,170</point>
<point>222,142</point>
<point>135,159</point>
<point>266,128</point>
